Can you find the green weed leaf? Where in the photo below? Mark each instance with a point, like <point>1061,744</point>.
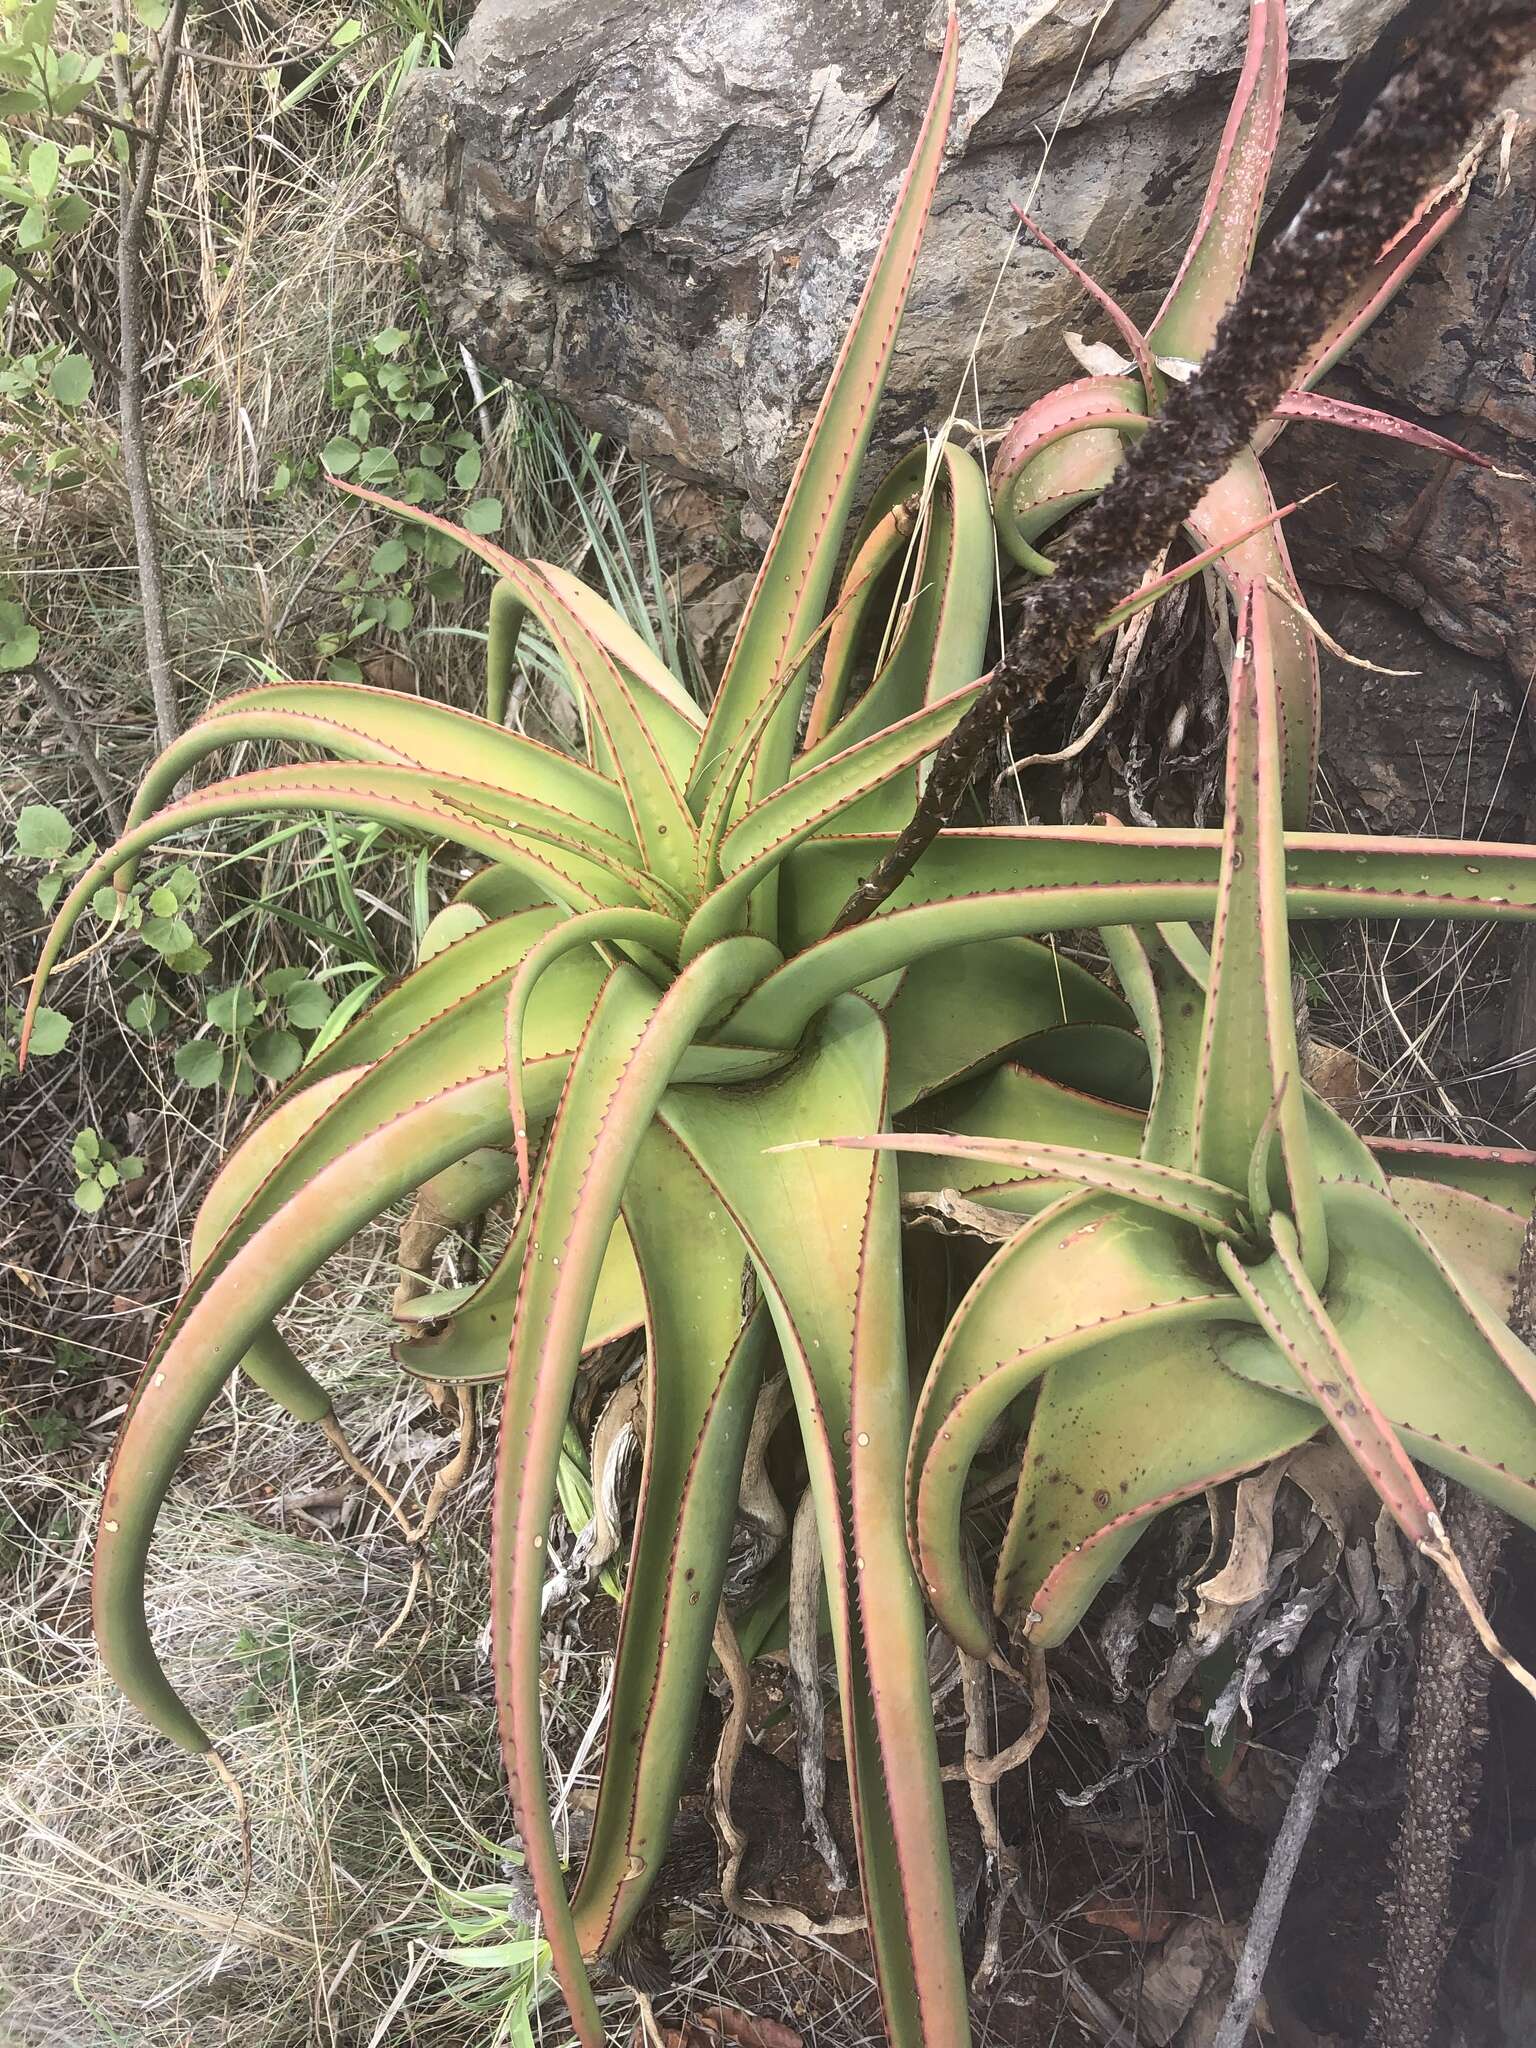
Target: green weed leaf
<point>43,833</point>
<point>199,1063</point>
<point>70,381</point>
<point>50,1032</point>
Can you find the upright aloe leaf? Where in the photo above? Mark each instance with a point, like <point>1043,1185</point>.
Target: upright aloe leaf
<point>1242,1100</point>
<point>704,1352</point>
<point>1235,504</point>
<point>937,643</point>
<point>791,589</point>
<point>1218,256</point>
<point>1153,965</point>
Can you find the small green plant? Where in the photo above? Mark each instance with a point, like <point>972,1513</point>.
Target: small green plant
<point>44,833</point>
<point>258,1029</point>
<point>404,427</point>
<point>53,1026</point>
<point>99,1169</point>
<point>505,1967</point>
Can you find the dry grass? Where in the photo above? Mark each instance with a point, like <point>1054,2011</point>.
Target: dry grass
<point>123,1913</point>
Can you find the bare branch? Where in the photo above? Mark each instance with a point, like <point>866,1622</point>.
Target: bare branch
<point>75,733</point>
<point>40,288</point>
<point>137,188</point>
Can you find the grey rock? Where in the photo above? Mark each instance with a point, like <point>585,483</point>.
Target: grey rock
<point>663,211</point>
<point>1425,752</point>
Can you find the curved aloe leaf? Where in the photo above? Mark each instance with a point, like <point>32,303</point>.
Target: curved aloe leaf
<point>1101,1425</point>
<point>1128,331</point>
<point>879,556</point>
<point>612,928</point>
<point>1106,1303</point>
<point>629,1053</point>
<point>670,713</point>
<point>1007,1101</point>
<point>357,723</point>
<point>1365,419</point>
<point>788,598</point>
<point>1153,964</point>
<point>1095,1059</point>
<point>271,1361</point>
<point>955,1013</point>
<point>1187,1197</point>
<point>823,1232</point>
<point>1057,455</point>
<point>406,797</point>
<point>619,640</point>
<point>461,1333</point>
<point>1435,1359</point>
<point>227,1304</point>
<point>1019,882</point>
<point>481,960</point>
<point>704,1360</point>
<point>1477,1239</point>
<point>1401,257</point>
<point>1504,1176</point>
<point>626,720</point>
<point>1292,1315</point>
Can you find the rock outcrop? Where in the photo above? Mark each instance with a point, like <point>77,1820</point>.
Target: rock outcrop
<point>661,213</point>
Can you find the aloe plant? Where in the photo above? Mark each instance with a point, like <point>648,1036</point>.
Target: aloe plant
<point>1235,1262</point>
<point>635,1014</point>
<point>1061,452</point>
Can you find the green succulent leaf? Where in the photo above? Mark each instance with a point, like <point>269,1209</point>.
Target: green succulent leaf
<point>1241,1099</point>
<point>787,600</point>
<point>823,1232</point>
<point>704,1353</point>
<point>1221,248</point>
<point>628,1055</point>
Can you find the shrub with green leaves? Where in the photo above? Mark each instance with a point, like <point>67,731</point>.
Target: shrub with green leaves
<point>644,1013</point>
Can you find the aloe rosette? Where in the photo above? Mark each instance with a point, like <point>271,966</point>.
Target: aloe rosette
<point>634,1014</point>
<point>1062,450</point>
<point>1202,1285</point>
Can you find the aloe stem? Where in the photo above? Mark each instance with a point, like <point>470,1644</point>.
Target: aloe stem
<point>1443,1765</point>
<point>1427,111</point>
